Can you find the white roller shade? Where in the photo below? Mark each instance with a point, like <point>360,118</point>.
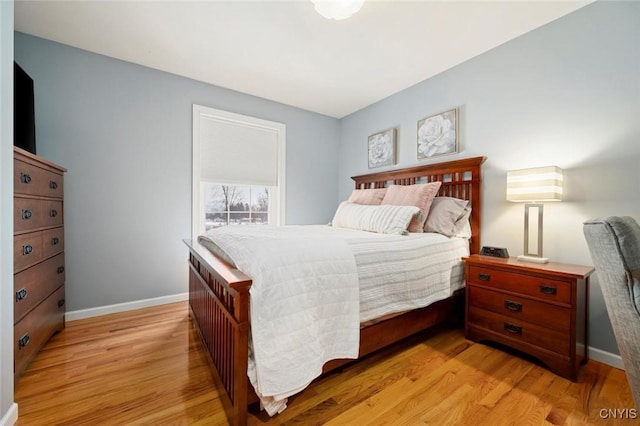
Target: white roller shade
<point>237,153</point>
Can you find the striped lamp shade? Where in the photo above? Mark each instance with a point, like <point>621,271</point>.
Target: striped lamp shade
<point>537,184</point>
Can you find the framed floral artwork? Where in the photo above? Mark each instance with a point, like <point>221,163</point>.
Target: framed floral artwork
<point>438,134</point>
<point>382,148</point>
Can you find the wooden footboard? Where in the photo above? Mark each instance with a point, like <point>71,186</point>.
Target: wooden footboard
<point>219,303</point>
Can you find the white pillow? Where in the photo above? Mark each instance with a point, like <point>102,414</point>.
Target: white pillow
<point>449,216</point>
<point>384,219</point>
<point>464,231</point>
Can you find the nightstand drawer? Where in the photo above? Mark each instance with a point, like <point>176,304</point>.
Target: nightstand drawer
<point>523,331</point>
<point>540,287</point>
<point>521,308</point>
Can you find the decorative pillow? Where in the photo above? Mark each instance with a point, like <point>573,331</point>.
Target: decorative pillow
<point>371,197</point>
<point>448,216</point>
<point>420,195</point>
<point>465,230</point>
<point>381,219</point>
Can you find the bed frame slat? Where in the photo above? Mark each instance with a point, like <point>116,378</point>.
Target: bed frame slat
<point>219,305</point>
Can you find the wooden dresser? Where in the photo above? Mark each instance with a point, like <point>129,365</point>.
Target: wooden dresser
<point>38,253</point>
<point>539,309</point>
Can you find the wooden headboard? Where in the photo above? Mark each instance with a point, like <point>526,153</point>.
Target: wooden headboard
<point>460,179</point>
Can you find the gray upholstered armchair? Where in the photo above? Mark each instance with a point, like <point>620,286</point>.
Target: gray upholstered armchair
<point>614,243</point>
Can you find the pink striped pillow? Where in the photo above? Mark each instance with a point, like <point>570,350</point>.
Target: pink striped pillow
<point>420,195</point>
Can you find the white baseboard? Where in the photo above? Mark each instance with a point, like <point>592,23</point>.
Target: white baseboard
<point>123,307</point>
<point>606,357</point>
<point>11,416</point>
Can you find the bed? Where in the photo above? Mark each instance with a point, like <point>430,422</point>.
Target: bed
<point>219,293</point>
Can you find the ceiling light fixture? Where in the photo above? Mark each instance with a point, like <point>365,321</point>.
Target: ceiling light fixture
<point>337,9</point>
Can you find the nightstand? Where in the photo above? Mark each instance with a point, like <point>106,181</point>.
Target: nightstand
<point>539,309</point>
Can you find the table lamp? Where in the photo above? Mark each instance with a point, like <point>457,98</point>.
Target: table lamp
<point>534,187</point>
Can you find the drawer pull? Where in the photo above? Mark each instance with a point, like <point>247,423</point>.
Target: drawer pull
<point>27,249</point>
<point>26,214</point>
<point>53,212</point>
<point>484,277</point>
<point>548,289</point>
<point>512,328</point>
<point>25,178</point>
<point>53,184</point>
<point>23,341</point>
<point>21,294</point>
<point>60,303</point>
<point>55,241</point>
<point>513,306</point>
<point>60,269</point>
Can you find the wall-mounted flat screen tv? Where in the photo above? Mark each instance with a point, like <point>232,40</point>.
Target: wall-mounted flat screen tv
<point>24,122</point>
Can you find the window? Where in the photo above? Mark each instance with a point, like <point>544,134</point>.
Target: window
<point>235,205</point>
<point>238,170</point>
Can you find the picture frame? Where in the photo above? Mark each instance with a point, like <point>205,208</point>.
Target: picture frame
<point>438,134</point>
<point>382,148</point>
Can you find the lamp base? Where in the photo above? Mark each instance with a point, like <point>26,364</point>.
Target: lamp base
<point>533,259</point>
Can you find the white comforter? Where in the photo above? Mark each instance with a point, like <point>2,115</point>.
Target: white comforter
<point>399,273</point>
<point>313,285</point>
<point>304,304</point>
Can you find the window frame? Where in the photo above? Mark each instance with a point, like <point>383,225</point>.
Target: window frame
<point>277,199</point>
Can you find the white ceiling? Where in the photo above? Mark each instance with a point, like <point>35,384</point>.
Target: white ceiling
<point>283,50</point>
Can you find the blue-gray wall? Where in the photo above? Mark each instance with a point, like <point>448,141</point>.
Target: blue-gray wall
<point>566,94</point>
<point>7,408</point>
<point>124,133</point>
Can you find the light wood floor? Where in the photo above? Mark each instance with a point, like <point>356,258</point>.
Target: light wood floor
<point>146,367</point>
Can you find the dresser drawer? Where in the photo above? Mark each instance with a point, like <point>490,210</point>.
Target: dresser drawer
<point>27,250</point>
<point>31,248</point>
<point>521,308</point>
<point>33,331</point>
<point>33,285</point>
<point>32,214</point>
<point>540,287</point>
<point>523,331</point>
<point>32,180</point>
<point>52,241</point>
